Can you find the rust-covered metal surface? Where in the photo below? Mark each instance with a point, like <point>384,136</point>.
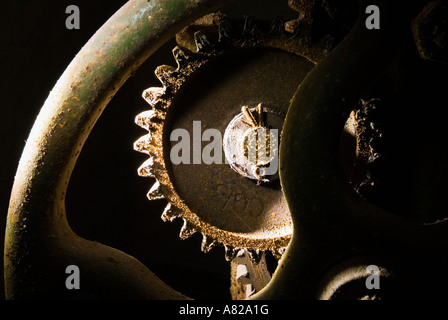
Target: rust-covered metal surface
<point>39,243</point>
<point>332,223</point>
<point>336,233</point>
<point>206,91</point>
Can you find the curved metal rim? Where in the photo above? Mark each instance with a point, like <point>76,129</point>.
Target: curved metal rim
<point>36,221</point>
<point>332,223</point>
<point>38,238</point>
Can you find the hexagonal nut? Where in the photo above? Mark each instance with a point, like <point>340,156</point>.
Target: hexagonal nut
<point>430,29</point>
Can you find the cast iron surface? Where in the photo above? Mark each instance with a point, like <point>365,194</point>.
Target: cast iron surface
<point>331,223</point>
<point>207,90</point>
<point>39,243</point>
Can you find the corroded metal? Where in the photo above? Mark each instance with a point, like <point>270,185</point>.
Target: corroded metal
<point>39,243</point>
<point>331,222</point>
<point>305,8</point>
<point>250,147</point>
<point>227,70</point>
<point>248,275</point>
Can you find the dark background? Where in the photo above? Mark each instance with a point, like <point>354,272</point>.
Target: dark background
<point>106,199</point>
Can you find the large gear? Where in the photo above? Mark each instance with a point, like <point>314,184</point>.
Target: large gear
<point>225,207</point>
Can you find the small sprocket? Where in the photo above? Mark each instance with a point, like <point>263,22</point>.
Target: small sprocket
<point>223,66</point>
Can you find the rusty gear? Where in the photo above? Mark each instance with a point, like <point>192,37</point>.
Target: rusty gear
<point>223,206</point>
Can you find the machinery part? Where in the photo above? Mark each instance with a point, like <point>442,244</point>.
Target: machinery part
<point>355,279</point>
<point>321,17</point>
<point>39,243</point>
<point>430,29</point>
<point>331,222</point>
<point>251,145</point>
<point>221,204</point>
<point>248,276</point>
<point>369,134</point>
<point>305,19</point>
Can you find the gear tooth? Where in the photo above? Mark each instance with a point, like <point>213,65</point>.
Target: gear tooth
<point>166,75</point>
<point>170,213</point>
<point>153,95</point>
<point>230,252</point>
<point>305,9</point>
<point>248,276</point>
<point>144,119</point>
<point>293,5</point>
<point>278,253</point>
<point>143,144</point>
<point>155,193</point>
<point>209,23</point>
<point>292,25</point>
<point>182,57</point>
<point>255,255</point>
<point>187,230</point>
<point>201,41</point>
<point>207,244</point>
<point>147,169</point>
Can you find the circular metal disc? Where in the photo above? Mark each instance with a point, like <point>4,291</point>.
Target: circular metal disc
<point>214,96</point>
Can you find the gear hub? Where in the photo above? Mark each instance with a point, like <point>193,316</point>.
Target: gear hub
<point>251,144</point>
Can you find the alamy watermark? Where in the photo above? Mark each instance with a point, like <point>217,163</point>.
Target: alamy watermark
<point>373,280</point>
<point>73,280</point>
<point>373,20</point>
<point>257,147</point>
<point>73,21</point>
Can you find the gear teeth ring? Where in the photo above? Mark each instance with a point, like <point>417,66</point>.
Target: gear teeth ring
<point>225,37</point>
